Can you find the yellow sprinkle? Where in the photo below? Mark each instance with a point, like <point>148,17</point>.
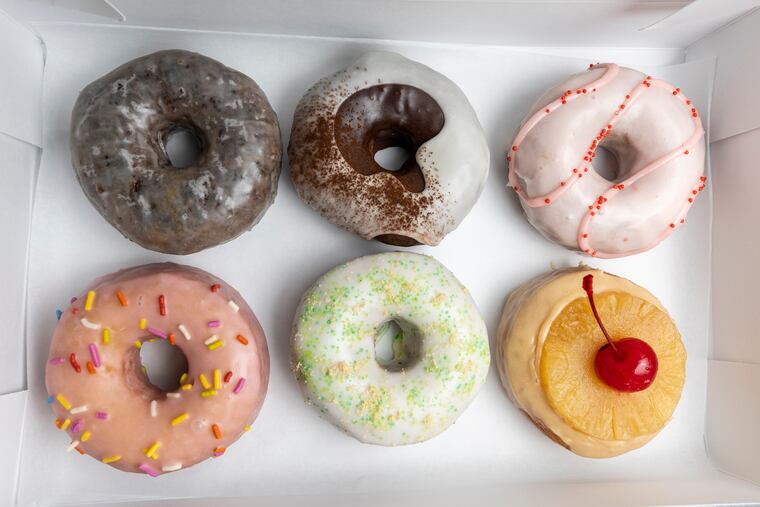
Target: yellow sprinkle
<point>65,424</point>
<point>63,401</point>
<point>217,378</point>
<point>216,345</point>
<point>183,378</point>
<point>86,436</point>
<point>106,336</point>
<point>180,418</point>
<point>208,392</point>
<point>138,344</point>
<point>204,381</point>
<point>152,449</point>
<point>143,323</point>
<point>187,387</point>
<point>247,427</point>
<point>111,459</point>
<point>89,301</point>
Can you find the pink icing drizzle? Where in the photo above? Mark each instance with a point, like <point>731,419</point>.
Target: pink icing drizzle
<point>544,200</point>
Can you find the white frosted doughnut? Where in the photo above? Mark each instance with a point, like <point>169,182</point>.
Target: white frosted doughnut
<point>649,125</point>
<point>383,100</point>
<point>439,362</point>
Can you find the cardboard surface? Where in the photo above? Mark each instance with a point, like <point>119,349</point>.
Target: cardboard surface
<point>492,443</point>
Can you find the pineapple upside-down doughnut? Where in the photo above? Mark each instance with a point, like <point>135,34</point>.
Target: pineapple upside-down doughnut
<point>654,132</point>
<point>598,397</point>
<point>439,358</point>
<point>101,395</point>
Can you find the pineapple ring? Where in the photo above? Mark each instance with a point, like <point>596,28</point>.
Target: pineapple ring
<point>533,347</point>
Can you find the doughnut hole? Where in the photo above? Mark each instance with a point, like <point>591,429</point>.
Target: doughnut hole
<point>163,364</point>
<point>397,345</point>
<point>606,164</point>
<point>392,158</point>
<point>182,145</point>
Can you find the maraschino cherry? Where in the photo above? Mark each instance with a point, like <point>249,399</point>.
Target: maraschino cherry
<point>628,364</point>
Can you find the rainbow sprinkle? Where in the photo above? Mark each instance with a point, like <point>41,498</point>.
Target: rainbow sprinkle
<point>58,314</point>
<point>143,323</point>
<point>65,424</point>
<point>208,392</point>
<point>227,376</point>
<point>94,355</point>
<point>217,379</point>
<point>156,332</point>
<point>72,445</point>
<point>180,418</point>
<point>152,449</point>
<point>162,305</point>
<point>219,451</point>
<point>233,305</point>
<point>106,336</point>
<point>90,299</point>
<point>77,426</point>
<point>89,325</point>
<point>111,459</point>
<point>173,395</point>
<point>138,344</point>
<point>153,408</point>
<point>247,427</point>
<point>214,323</point>
<point>242,339</point>
<point>122,299</point>
<point>78,410</point>
<point>171,468</point>
<point>182,378</point>
<point>204,381</point>
<point>86,436</point>
<point>239,386</point>
<point>102,415</point>
<point>50,399</point>
<point>90,368</point>
<point>148,470</point>
<point>57,360</point>
<point>215,345</point>
<point>217,431</point>
<point>74,362</point>
<point>184,331</point>
<point>186,387</point>
<point>211,339</point>
<point>63,401</point>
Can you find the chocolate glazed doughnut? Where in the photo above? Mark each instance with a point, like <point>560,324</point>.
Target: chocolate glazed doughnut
<point>119,128</point>
<point>380,101</point>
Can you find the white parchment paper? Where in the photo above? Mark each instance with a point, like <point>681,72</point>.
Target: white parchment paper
<point>290,450</point>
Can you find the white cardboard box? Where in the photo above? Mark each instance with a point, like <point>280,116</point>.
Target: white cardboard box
<point>503,54</point>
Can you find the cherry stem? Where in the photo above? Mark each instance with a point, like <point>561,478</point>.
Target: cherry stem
<point>588,286</point>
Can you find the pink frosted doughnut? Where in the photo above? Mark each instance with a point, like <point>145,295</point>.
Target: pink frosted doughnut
<point>103,399</point>
<point>649,125</point>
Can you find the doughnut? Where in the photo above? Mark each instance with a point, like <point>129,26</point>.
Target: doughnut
<point>119,128</point>
<point>440,348</point>
<point>101,395</point>
<point>384,100</point>
<point>546,347</point>
<point>654,132</point>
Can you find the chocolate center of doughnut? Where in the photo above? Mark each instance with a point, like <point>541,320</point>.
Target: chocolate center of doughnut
<point>182,144</point>
<point>385,116</point>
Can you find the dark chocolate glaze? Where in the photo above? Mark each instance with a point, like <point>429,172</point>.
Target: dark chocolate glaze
<point>387,115</point>
<point>118,129</point>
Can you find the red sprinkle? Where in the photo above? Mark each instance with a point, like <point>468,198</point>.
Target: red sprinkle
<point>672,226</point>
<point>215,287</point>
<point>227,376</point>
<point>75,363</point>
<point>514,148</point>
<point>162,304</point>
<point>242,339</point>
<point>547,200</point>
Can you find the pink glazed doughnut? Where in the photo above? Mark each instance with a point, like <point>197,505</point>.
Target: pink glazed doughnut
<point>656,135</point>
<point>101,395</point>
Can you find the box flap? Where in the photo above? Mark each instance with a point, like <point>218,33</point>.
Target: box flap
<point>735,105</point>
<point>21,83</point>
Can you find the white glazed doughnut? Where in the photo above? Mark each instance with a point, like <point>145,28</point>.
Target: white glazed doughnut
<point>440,361</point>
<point>649,125</point>
<point>383,100</point>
